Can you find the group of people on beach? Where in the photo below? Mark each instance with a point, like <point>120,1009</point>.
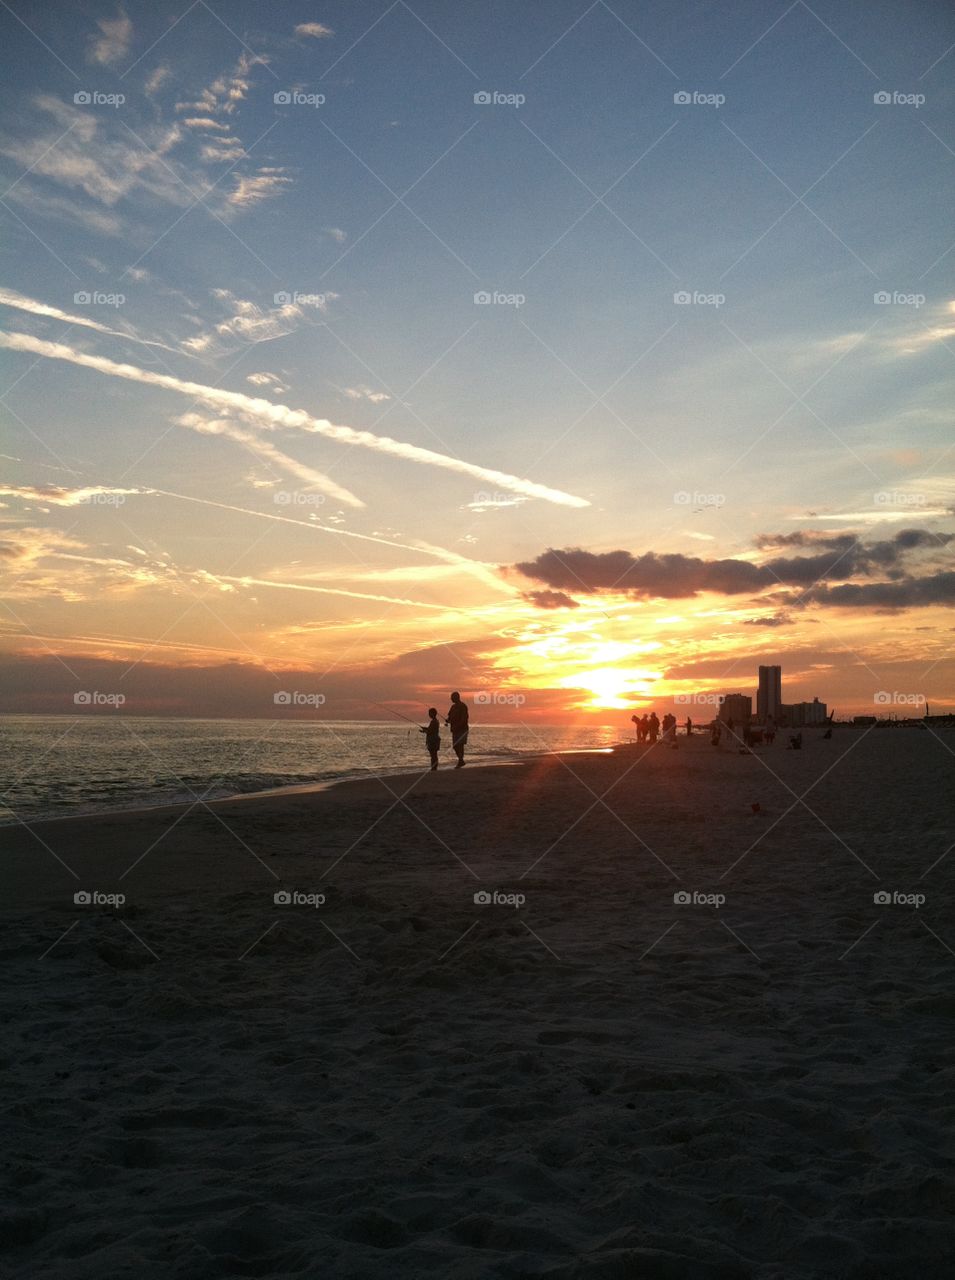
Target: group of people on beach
<point>457,721</point>
<point>649,727</point>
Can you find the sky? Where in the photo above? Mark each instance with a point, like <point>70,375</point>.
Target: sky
<point>578,357</point>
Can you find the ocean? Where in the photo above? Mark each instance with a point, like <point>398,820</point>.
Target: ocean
<point>59,766</point>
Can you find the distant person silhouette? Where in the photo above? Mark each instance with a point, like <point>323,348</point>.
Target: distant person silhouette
<point>636,721</point>
<point>432,736</point>
<point>644,728</point>
<point>653,726</point>
<point>689,727</point>
<point>457,721</point>
<point>795,742</point>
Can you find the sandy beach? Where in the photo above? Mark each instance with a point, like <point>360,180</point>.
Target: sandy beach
<point>582,1077</point>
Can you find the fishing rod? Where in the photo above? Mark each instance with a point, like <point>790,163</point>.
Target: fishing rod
<point>395,713</point>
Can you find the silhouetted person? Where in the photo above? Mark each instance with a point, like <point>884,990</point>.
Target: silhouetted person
<point>643,728</point>
<point>770,732</point>
<point>716,733</point>
<point>689,727</point>
<point>457,721</point>
<point>795,742</point>
<point>432,736</point>
<point>653,726</point>
<point>827,734</point>
<point>636,721</point>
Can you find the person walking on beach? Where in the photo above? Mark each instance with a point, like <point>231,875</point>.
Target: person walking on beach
<point>653,725</point>
<point>432,736</point>
<point>689,727</point>
<point>644,728</point>
<point>457,721</point>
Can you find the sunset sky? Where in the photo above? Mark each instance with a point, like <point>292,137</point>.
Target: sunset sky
<point>589,354</point>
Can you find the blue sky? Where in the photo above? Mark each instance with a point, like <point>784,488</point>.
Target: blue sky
<point>684,302</point>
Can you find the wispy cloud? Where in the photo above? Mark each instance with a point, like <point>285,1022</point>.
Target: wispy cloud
<point>248,322</point>
<point>275,416</point>
<point>316,30</point>
<point>113,43</point>
<point>19,301</point>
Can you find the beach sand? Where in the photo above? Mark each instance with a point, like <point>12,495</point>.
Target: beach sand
<point>597,1082</point>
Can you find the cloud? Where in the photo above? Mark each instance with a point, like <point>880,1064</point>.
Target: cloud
<point>551,600</point>
<point>19,301</point>
<point>113,42</point>
<point>251,323</point>
<point>674,576</point>
<point>250,189</point>
<point>772,620</point>
<point>336,234</point>
<point>271,382</point>
<point>225,93</point>
<point>316,30</point>
<point>59,496</point>
<point>365,393</point>
<point>155,80</point>
<point>268,453</point>
<point>271,416</point>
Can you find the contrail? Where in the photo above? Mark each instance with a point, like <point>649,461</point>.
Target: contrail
<point>333,591</point>
<point>280,415</point>
<point>10,298</point>
<point>479,570</point>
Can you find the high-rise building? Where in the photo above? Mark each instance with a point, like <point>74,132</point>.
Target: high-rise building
<point>737,707</point>
<point>769,697</point>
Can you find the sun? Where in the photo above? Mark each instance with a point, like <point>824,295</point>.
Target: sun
<point>613,688</point>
